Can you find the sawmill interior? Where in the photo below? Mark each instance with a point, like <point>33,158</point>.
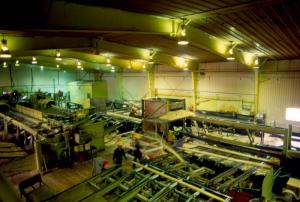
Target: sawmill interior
<point>136,100</point>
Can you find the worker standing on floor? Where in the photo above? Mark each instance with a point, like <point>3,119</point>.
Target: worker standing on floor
<point>137,149</point>
<point>119,153</point>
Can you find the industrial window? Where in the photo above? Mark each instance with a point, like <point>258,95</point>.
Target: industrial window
<point>292,114</point>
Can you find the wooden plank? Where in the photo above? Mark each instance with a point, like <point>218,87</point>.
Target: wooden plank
<point>10,149</point>
<point>6,144</point>
<point>12,154</point>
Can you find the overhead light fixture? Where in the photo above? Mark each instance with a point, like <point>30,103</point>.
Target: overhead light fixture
<point>81,68</point>
<point>57,66</point>
<point>17,64</point>
<point>78,64</point>
<point>4,53</point>
<point>230,55</point>
<point>42,67</point>
<point>182,40</point>
<point>4,65</point>
<point>144,66</point>
<point>256,63</point>
<point>34,61</point>
<point>185,69</point>
<point>58,58</point>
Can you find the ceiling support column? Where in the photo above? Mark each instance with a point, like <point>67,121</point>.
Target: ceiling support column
<point>256,91</point>
<point>195,80</point>
<point>120,84</point>
<point>151,81</point>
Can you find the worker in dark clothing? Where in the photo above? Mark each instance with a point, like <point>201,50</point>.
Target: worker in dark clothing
<point>119,153</point>
<point>137,149</point>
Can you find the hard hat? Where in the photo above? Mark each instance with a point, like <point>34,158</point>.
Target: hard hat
<point>137,136</point>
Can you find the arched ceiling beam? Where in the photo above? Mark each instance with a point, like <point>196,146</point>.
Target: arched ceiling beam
<point>75,17</point>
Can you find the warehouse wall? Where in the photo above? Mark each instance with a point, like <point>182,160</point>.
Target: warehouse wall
<point>46,80</point>
<point>279,89</point>
<point>173,84</point>
<point>227,92</point>
<point>131,86</point>
<point>223,86</point>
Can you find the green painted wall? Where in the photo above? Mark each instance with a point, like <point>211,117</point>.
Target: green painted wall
<point>31,78</point>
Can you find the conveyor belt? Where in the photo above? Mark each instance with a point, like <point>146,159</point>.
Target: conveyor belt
<point>238,155</point>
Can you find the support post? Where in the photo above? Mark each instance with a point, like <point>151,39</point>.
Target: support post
<point>151,81</point>
<point>287,140</point>
<point>256,91</point>
<point>195,80</point>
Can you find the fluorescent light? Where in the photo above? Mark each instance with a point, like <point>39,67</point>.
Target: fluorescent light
<point>185,69</point>
<point>57,66</point>
<point>17,63</point>
<point>182,41</point>
<point>230,58</point>
<point>292,114</point>
<point>4,65</point>
<point>42,67</point>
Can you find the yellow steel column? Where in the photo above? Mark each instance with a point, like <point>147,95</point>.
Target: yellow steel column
<point>120,84</point>
<point>151,81</point>
<point>256,91</point>
<point>195,79</point>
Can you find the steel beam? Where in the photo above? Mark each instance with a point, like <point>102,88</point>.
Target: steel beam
<point>256,89</point>
<point>81,17</point>
<point>151,81</point>
<point>195,81</point>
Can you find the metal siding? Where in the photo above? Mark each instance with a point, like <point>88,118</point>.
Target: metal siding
<point>278,91</point>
